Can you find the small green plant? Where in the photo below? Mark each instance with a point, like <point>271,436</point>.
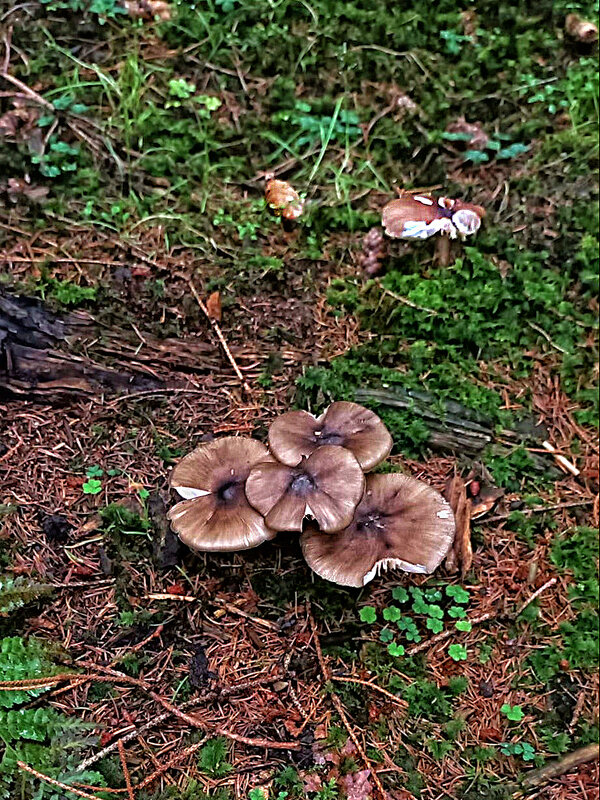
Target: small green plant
<point>522,749</point>
<point>213,758</point>
<point>41,737</point>
<point>457,652</point>
<point>92,486</point>
<point>368,614</point>
<point>513,713</point>
<point>395,649</point>
<point>59,158</point>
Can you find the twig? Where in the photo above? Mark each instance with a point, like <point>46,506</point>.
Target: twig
<point>29,684</point>
<point>536,594</point>
<point>266,623</point>
<point>370,685</point>
<point>580,756</point>
<point>535,510</point>
<point>335,699</point>
<point>164,767</point>
<point>405,300</point>
<point>221,338</point>
<point>560,459</point>
<point>156,720</point>
<point>139,645</point>
<point>26,90</point>
<point>186,598</point>
<point>53,782</point>
<point>125,768</point>
<point>547,337</point>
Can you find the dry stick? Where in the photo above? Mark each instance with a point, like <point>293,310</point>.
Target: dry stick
<point>125,770</point>
<point>536,594</point>
<point>198,723</point>
<point>26,90</point>
<point>139,645</point>
<point>53,782</point>
<point>165,715</point>
<point>340,708</point>
<point>536,510</point>
<point>405,300</point>
<point>348,679</point>
<point>221,338</point>
<point>28,684</point>
<point>580,756</point>
<point>177,757</point>
<point>266,623</point>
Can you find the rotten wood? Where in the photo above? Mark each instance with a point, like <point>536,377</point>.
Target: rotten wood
<point>457,429</point>
<point>557,768</point>
<point>49,357</point>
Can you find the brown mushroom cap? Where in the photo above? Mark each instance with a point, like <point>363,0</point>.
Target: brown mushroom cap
<point>327,485</point>
<point>400,523</point>
<point>349,425</point>
<point>216,516</point>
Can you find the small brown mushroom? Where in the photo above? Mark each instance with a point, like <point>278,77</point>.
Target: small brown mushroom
<point>283,199</point>
<point>581,30</point>
<point>349,425</point>
<point>400,523</point>
<point>327,486</point>
<point>215,514</point>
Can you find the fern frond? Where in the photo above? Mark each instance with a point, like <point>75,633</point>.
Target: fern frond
<point>18,592</point>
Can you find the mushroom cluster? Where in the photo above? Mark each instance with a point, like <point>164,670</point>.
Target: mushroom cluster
<point>237,493</point>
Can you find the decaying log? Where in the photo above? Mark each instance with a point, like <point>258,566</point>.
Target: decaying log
<point>45,356</point>
<point>459,428</point>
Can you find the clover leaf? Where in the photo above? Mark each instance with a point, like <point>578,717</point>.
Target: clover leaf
<point>386,635</point>
<point>395,649</point>
<point>368,614</point>
<point>93,486</point>
<point>400,594</point>
<point>463,625</point>
<point>434,625</point>
<point>459,594</point>
<point>457,652</point>
<point>513,713</point>
<point>392,614</point>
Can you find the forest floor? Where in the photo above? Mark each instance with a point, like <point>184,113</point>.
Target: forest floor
<point>132,175</point>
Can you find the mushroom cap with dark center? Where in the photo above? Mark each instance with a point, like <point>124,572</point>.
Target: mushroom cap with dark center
<point>327,485</point>
<point>215,514</point>
<point>399,523</point>
<point>298,433</point>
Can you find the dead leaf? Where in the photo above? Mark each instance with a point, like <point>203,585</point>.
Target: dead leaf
<point>462,551</point>
<point>357,785</point>
<point>490,735</point>
<point>485,501</point>
<point>312,783</point>
<point>17,187</point>
<point>213,306</point>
